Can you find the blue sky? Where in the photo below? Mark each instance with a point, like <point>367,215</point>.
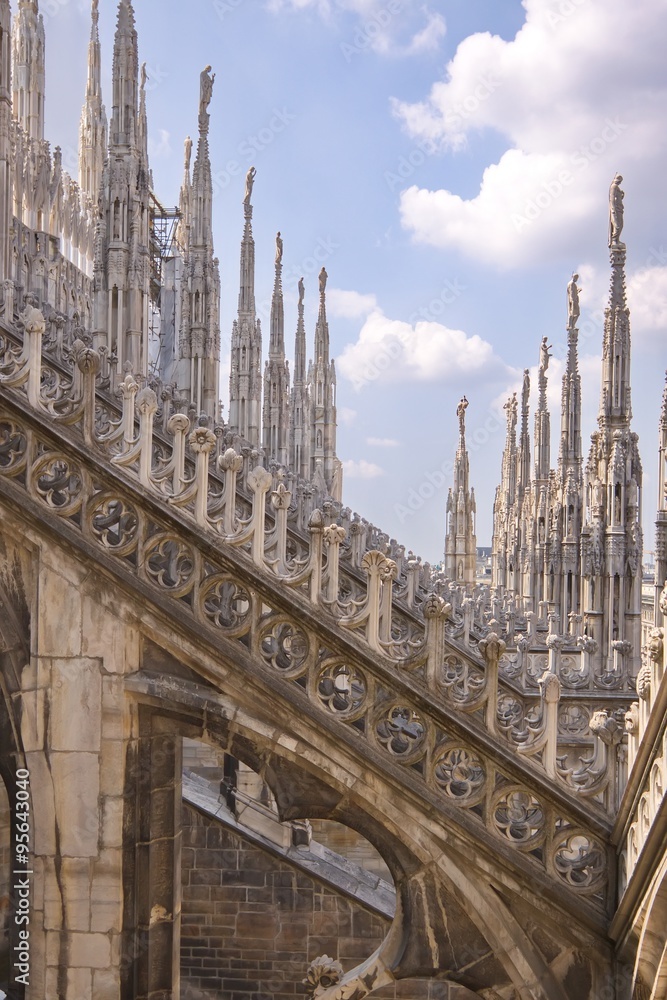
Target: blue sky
<point>449,163</point>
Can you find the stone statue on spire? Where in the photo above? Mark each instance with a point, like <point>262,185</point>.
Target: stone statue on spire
<point>249,182</point>
<point>188,153</point>
<point>461,414</point>
<point>279,249</point>
<point>525,392</point>
<point>144,76</point>
<point>544,355</point>
<point>616,197</point>
<point>573,310</point>
<point>302,291</point>
<point>323,281</point>
<point>512,407</point>
<point>205,89</point>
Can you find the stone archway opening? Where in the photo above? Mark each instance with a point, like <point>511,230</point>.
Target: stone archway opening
<point>261,898</point>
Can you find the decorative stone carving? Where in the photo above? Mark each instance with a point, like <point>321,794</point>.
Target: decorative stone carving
<point>342,689</point>
<point>644,682</point>
<point>284,646</point>
<point>606,727</point>
<point>323,972</point>
<point>460,774</point>
<point>656,644</point>
<point>401,731</point>
<point>519,817</point>
<point>632,719</point>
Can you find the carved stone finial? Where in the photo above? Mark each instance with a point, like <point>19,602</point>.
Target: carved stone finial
<point>323,281</point>
<point>323,972</point>
<point>279,249</point>
<point>302,291</point>
<point>33,319</point>
<point>605,726</point>
<point>492,648</point>
<point>550,687</point>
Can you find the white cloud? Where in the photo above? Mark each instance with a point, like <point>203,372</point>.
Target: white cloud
<point>380,25</point>
<point>382,442</point>
<point>161,149</point>
<point>647,299</point>
<point>428,38</point>
<point>570,119</point>
<point>349,304</point>
<point>361,469</point>
<point>346,416</point>
<point>392,350</point>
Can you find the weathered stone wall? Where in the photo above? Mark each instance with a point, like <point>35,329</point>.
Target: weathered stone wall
<point>252,924</point>
<point>350,845</point>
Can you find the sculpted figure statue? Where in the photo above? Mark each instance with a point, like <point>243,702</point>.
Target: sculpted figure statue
<point>323,281</point>
<point>188,153</point>
<point>544,354</point>
<point>616,197</point>
<point>511,406</point>
<point>144,76</point>
<point>205,89</point>
<point>249,181</point>
<point>573,302</point>
<point>279,249</point>
<point>302,291</point>
<point>461,414</point>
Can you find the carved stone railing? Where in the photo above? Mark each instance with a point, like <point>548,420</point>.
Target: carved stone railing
<point>492,732</point>
<point>646,724</point>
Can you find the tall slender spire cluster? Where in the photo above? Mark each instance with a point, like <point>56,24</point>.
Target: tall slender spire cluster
<point>571,545</point>
<point>122,258</point>
<point>461,543</point>
<point>612,529</point>
<point>322,390</point>
<point>298,424</point>
<point>299,441</point>
<point>245,380</point>
<point>93,127</point>
<point>28,78</point>
<point>197,346</point>
<point>276,374</point>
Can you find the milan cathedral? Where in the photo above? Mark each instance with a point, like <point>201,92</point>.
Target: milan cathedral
<point>172,582</point>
